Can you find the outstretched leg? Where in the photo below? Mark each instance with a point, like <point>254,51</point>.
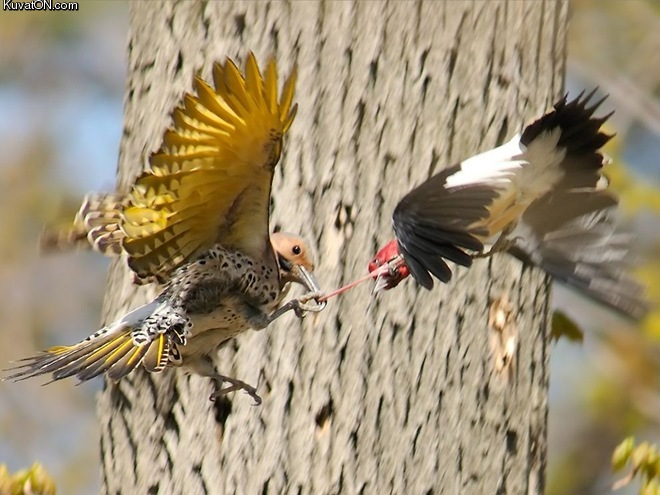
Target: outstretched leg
<point>235,385</point>
<point>502,244</point>
<point>204,366</point>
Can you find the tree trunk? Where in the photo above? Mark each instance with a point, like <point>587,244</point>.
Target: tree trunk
<point>395,394</point>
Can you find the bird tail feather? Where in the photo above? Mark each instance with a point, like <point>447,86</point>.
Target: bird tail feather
<point>113,350</point>
<point>581,245</point>
<point>580,136</point>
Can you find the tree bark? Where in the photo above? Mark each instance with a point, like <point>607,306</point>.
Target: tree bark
<point>395,394</point>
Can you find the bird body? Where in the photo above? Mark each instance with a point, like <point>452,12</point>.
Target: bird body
<point>197,221</point>
<point>520,175</point>
<point>540,196</point>
<point>206,302</point>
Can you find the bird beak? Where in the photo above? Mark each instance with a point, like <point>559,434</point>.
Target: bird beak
<point>306,278</point>
<point>381,283</point>
<point>380,274</point>
<point>387,275</point>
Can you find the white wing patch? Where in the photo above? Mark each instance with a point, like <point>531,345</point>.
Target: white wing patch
<point>527,172</point>
<point>497,166</point>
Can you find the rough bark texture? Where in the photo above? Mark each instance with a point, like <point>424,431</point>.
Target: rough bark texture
<point>389,395</point>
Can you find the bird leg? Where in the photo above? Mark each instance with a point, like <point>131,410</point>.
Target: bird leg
<point>503,243</point>
<point>235,386</point>
<point>258,320</point>
<point>203,365</point>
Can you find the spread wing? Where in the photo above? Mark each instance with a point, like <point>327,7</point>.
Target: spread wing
<point>438,221</point>
<point>210,181</point>
<point>96,225</point>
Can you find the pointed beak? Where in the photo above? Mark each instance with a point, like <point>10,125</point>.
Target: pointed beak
<point>387,275</point>
<point>381,283</point>
<point>306,278</point>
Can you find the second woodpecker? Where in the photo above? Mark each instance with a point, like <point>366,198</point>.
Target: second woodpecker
<point>540,197</point>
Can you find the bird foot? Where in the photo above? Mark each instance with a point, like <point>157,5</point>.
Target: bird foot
<point>300,306</point>
<point>502,244</point>
<point>235,386</point>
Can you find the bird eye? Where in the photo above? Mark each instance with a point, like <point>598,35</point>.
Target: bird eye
<point>296,249</point>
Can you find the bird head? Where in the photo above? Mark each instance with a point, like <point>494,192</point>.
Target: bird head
<point>294,261</point>
<point>396,271</point>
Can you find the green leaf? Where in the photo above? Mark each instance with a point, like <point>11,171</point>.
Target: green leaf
<point>651,464</point>
<point>5,479</point>
<point>33,481</point>
<point>563,326</point>
<point>622,453</point>
<point>651,488</point>
<point>640,455</point>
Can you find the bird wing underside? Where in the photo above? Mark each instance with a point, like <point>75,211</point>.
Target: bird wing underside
<point>573,237</point>
<point>96,225</point>
<point>208,184</point>
<point>434,223</point>
<point>210,181</point>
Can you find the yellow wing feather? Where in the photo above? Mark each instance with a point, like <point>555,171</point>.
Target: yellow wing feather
<point>287,112</point>
<point>208,183</point>
<point>96,225</point>
<point>157,355</point>
<point>270,89</point>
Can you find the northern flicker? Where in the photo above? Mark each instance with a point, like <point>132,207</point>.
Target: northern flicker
<point>540,197</point>
<point>197,221</point>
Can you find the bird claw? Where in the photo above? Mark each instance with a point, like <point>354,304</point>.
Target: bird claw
<point>300,307</point>
<point>235,386</point>
<point>502,244</point>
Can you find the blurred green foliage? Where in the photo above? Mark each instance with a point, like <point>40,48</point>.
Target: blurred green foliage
<point>638,196</point>
<point>644,461</point>
<point>50,61</point>
<point>562,326</point>
<point>32,481</point>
